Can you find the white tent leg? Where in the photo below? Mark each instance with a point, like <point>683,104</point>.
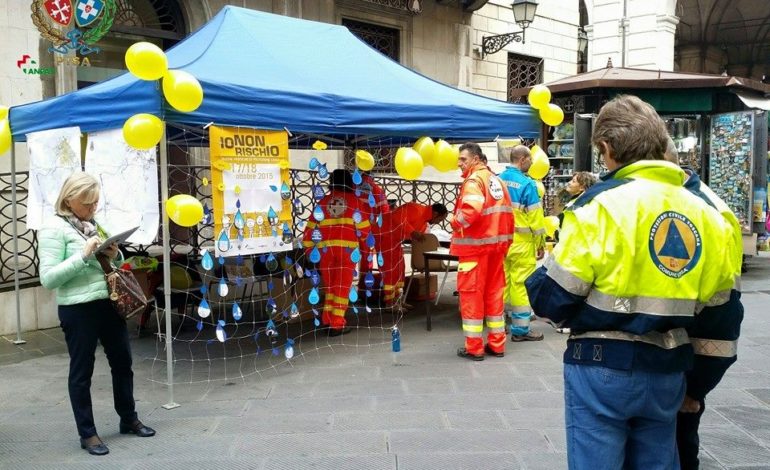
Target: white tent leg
<point>167,273</point>
<point>14,221</point>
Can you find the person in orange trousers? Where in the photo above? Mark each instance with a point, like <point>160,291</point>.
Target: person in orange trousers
<point>482,227</point>
<point>336,235</point>
<point>406,221</point>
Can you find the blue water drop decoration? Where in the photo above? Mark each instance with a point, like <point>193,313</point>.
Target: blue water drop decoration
<point>221,260</point>
<point>368,309</point>
<point>368,293</point>
<point>369,257</point>
<point>272,217</point>
<point>206,214</point>
<point>300,271</point>
<point>294,310</point>
<point>238,281</point>
<point>273,188</point>
<point>323,172</point>
<point>239,221</point>
<point>316,236</point>
<point>238,203</point>
<point>313,298</point>
<point>355,256</point>
<point>379,220</point>
<point>203,309</point>
<point>298,205</point>
<point>288,351</point>
<point>206,261</point>
<point>353,295</point>
<point>222,289</point>
<point>358,192</point>
<point>276,352</point>
<point>286,235</point>
<point>357,177</point>
<point>380,260</point>
<point>317,322</point>
<point>315,277</point>
<point>313,164</point>
<point>371,200</point>
<point>357,217</point>
<point>271,264</point>
<point>318,192</point>
<point>221,335</point>
<point>355,310</point>
<point>369,280</point>
<point>370,240</point>
<point>285,191</point>
<point>237,312</point>
<point>223,243</point>
<point>199,325</point>
<point>315,255</point>
<point>203,289</point>
<point>318,214</point>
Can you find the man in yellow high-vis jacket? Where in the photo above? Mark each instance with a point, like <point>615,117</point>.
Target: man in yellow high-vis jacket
<point>639,255</point>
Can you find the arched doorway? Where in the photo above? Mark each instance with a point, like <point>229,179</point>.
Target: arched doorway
<point>718,36</point>
<point>160,22</point>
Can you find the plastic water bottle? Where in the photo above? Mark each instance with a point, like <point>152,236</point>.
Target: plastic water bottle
<point>396,339</point>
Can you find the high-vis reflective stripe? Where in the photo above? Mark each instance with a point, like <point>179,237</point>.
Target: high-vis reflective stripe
<point>720,298</point>
<point>337,300</point>
<point>649,305</point>
<point>496,210</point>
<point>568,281</point>
<point>669,340</point>
<point>516,321</point>
<point>533,207</point>
<point>473,198</point>
<point>473,328</point>
<point>495,322</point>
<point>340,221</point>
<point>461,221</point>
<point>325,243</point>
<point>518,308</point>
<point>482,241</point>
<point>714,347</point>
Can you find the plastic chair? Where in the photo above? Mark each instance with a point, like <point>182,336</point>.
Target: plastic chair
<point>429,243</point>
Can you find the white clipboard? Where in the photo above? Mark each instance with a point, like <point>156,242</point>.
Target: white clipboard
<point>119,238</point>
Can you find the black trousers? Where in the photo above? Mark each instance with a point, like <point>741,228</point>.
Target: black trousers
<point>687,440</point>
<point>83,325</point>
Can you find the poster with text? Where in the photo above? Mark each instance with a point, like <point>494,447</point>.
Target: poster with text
<point>251,191</point>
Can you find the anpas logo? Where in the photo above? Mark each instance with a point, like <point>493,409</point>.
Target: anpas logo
<point>28,65</point>
<point>92,20</point>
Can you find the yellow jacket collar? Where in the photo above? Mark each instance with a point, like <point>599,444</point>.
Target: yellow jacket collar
<point>656,170</point>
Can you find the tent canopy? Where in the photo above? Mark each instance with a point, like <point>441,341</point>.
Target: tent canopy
<point>272,72</point>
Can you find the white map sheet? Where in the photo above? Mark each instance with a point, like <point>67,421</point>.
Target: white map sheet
<point>129,182</point>
<point>53,156</point>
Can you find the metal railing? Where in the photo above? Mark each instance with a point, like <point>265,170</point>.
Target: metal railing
<point>27,240</point>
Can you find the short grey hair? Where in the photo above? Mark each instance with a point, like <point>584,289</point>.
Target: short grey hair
<point>519,152</point>
<point>631,129</point>
<point>78,185</point>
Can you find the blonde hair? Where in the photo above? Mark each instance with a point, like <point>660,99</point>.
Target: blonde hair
<point>77,185</point>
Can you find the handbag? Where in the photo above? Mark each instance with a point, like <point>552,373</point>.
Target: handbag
<point>126,295</point>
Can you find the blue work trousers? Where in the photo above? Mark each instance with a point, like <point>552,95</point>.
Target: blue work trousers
<point>621,419</point>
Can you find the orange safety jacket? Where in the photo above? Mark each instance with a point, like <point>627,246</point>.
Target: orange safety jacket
<point>483,217</point>
<point>399,224</point>
<point>338,227</point>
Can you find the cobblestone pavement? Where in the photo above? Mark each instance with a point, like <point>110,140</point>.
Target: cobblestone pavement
<point>359,406</point>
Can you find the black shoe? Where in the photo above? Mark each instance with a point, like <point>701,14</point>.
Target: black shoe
<point>137,428</point>
<point>339,331</point>
<point>489,352</point>
<point>462,352</point>
<point>95,449</point>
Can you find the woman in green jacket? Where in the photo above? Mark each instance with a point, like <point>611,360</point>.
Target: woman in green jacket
<point>66,247</point>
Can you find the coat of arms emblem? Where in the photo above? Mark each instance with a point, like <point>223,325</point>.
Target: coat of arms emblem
<point>92,20</point>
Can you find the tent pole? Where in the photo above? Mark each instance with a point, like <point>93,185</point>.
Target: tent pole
<point>15,220</point>
<point>166,272</point>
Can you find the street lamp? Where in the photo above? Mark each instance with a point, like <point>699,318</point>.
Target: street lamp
<point>582,50</point>
<point>523,14</point>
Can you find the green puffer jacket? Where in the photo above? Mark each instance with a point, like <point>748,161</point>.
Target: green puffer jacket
<point>61,266</point>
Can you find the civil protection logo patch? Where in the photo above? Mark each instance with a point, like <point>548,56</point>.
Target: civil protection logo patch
<point>675,244</point>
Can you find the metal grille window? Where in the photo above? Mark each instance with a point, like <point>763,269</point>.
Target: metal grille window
<point>523,71</point>
<point>398,4</point>
<point>382,38</point>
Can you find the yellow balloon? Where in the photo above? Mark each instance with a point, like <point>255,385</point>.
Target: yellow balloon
<point>408,163</point>
<point>426,148</point>
<point>146,61</point>
<point>540,164</point>
<point>540,188</point>
<point>182,91</point>
<point>6,140</point>
<point>3,112</point>
<point>143,131</point>
<point>184,210</point>
<point>445,158</point>
<point>551,225</point>
<point>552,115</point>
<point>539,96</point>
<point>364,160</point>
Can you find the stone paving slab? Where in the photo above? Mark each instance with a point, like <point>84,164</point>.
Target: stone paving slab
<point>467,461</point>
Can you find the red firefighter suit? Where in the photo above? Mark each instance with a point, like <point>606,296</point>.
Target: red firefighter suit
<point>396,227</point>
<point>482,232</point>
<point>336,236</point>
<point>370,212</point>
